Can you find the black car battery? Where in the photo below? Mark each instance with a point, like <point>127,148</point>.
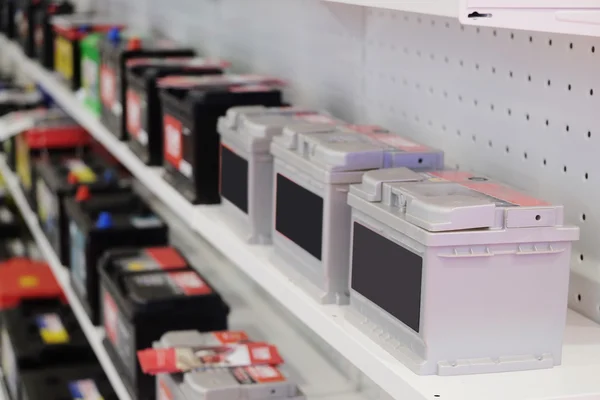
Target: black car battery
<point>11,223</point>
<point>38,335</point>
<point>115,51</point>
<point>62,177</point>
<point>191,106</point>
<point>83,382</point>
<point>15,99</point>
<point>51,137</point>
<point>43,33</point>
<point>146,293</point>
<point>69,30</point>
<point>7,18</point>
<point>143,117</point>
<point>102,222</point>
<point>24,18</point>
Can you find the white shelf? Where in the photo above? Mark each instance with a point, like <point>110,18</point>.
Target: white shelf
<point>94,334</point>
<point>444,8</point>
<point>577,378</point>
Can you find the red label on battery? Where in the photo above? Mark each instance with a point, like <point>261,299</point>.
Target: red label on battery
<point>134,113</point>
<point>110,318</point>
<point>164,393</point>
<point>108,85</point>
<point>173,131</point>
<point>167,257</point>
<point>190,283</point>
<point>265,374</point>
<point>493,189</point>
<point>227,337</point>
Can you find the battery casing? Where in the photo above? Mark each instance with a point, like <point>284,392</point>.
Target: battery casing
<point>246,179</point>
<point>43,34</point>
<point>52,137</point>
<point>103,222</point>
<point>58,177</point>
<point>144,120</point>
<point>90,72</point>
<point>250,383</point>
<point>80,382</point>
<point>314,166</point>
<point>455,274</point>
<point>39,335</point>
<point>115,51</point>
<point>191,107</point>
<point>145,293</point>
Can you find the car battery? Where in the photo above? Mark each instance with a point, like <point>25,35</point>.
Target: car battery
<point>24,23</point>
<point>23,279</point>
<point>83,382</point>
<point>7,18</point>
<point>102,222</point>
<point>143,119</point>
<point>56,135</point>
<point>145,293</point>
<point>90,72</point>
<point>40,335</point>
<point>115,51</point>
<point>43,33</point>
<point>191,108</point>
<point>246,179</point>
<point>15,99</point>
<point>62,177</point>
<point>260,382</point>
<point>69,31</point>
<point>314,166</point>
<point>454,233</point>
<point>11,224</point>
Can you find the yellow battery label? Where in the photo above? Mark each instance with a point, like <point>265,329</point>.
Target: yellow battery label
<point>52,329</point>
<point>63,57</point>
<point>82,172</point>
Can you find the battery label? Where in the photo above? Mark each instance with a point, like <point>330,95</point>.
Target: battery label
<point>84,390</point>
<point>81,171</point>
<point>399,142</point>
<point>185,359</point>
<point>90,76</point>
<point>78,261</point>
<point>151,286</point>
<point>52,329</point>
<point>64,57</point>
<point>47,207</point>
<point>146,222</point>
<point>134,116</point>
<point>257,374</point>
<point>503,194</point>
<point>173,130</point>
<point>108,88</point>
<point>153,259</point>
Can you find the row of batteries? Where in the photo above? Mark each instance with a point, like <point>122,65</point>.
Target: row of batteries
<point>450,272</point>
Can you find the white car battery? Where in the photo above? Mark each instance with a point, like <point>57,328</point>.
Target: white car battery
<point>246,179</point>
<point>241,383</point>
<point>314,166</point>
<point>455,274</point>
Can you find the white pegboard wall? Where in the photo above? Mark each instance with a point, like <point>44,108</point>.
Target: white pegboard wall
<point>515,105</point>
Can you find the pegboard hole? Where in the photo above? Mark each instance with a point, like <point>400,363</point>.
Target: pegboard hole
<point>490,143</point>
<point>547,122</point>
<point>420,161</point>
<point>591,92</point>
<point>512,35</point>
<point>527,117</point>
<point>474,138</point>
<point>493,70</point>
<point>492,107</point>
<point>589,134</point>
<point>571,45</point>
<point>525,155</point>
<point>530,39</point>
<point>538,217</point>
<point>545,162</point>
<point>549,42</point>
<point>509,111</point>
<point>569,87</point>
<point>567,128</point>
<point>477,66</point>
<point>549,82</point>
<point>529,78</point>
<point>475,102</point>
<point>581,257</point>
<point>583,217</point>
<point>495,33</point>
<point>579,297</point>
<point>507,149</point>
<point>593,49</point>
<point>565,169</point>
<point>462,63</point>
<point>446,60</point>
<point>510,73</point>
<point>586,176</point>
<point>458,132</point>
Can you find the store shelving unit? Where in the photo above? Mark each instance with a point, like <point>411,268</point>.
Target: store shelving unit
<point>444,8</point>
<point>577,378</point>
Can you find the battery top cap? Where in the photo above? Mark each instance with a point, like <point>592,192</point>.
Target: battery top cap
<point>109,176</point>
<point>83,194</point>
<point>134,43</point>
<point>104,220</point>
<point>114,35</point>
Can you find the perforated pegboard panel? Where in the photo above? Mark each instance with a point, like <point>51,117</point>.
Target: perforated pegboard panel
<point>515,105</point>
